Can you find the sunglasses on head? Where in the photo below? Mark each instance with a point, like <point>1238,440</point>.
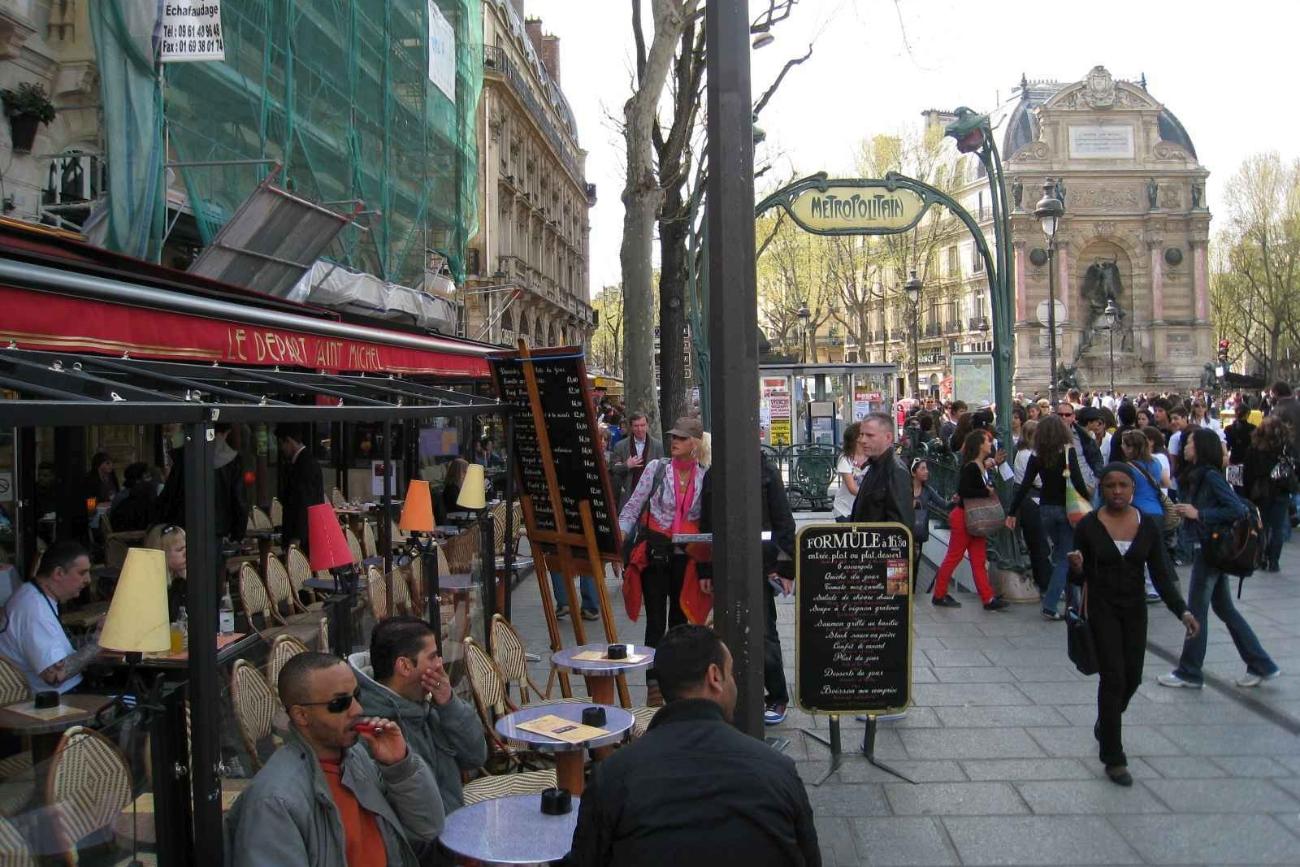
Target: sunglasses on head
<point>337,704</point>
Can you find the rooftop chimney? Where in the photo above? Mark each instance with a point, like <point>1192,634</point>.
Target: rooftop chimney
<point>551,56</point>
<point>533,26</point>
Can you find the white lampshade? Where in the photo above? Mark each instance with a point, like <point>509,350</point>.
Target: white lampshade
<point>137,617</point>
<point>473,495</point>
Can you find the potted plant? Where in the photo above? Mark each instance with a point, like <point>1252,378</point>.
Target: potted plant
<point>27,108</point>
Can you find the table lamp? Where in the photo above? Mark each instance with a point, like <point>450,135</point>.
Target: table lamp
<point>328,550</point>
<point>473,496</point>
<point>417,520</point>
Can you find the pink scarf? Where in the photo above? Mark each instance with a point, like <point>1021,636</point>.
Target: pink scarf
<point>684,499</point>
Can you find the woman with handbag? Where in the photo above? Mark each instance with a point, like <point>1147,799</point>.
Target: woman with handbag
<point>1211,505</point>
<point>1053,460</point>
<point>850,468</point>
<point>924,501</point>
<point>1149,497</point>
<point>666,501</point>
<point>972,485</point>
<point>1114,547</point>
<point>1269,478</point>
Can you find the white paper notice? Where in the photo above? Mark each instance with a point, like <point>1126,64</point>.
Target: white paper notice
<point>442,52</point>
<point>191,31</point>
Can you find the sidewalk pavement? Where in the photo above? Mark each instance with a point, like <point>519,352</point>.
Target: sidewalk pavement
<point>999,740</point>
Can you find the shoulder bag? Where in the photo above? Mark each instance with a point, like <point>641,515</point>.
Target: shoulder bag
<point>1173,520</point>
<point>634,535</point>
<point>1076,507</point>
<point>984,515</point>
<point>1079,643</point>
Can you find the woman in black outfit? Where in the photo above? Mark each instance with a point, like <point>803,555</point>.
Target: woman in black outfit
<point>1115,546</point>
<point>1052,453</point>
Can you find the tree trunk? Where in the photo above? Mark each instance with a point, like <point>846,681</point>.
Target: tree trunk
<point>641,200</point>
<point>673,230</point>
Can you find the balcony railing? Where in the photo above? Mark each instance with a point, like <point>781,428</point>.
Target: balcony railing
<point>933,329</point>
<point>979,323</point>
<point>952,326</point>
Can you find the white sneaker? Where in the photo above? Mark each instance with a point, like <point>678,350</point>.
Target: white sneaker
<point>1174,680</point>
<point>1250,679</point>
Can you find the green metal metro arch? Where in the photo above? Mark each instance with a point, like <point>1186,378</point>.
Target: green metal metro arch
<point>996,268</point>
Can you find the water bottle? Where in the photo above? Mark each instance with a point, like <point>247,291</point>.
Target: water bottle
<point>226,616</point>
<point>183,621</point>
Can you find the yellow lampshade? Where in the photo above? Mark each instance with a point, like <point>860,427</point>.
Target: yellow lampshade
<point>472,493</point>
<point>137,617</point>
<point>417,509</point>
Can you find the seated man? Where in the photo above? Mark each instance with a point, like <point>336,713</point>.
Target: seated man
<point>402,679</point>
<point>694,790</point>
<point>33,638</point>
<point>322,798</point>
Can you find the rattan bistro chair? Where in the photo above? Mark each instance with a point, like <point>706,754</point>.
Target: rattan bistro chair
<point>354,547</point>
<point>255,705</point>
<point>277,512</point>
<point>89,785</point>
<point>284,648</point>
<point>17,781</point>
<point>369,544</point>
<point>505,785</point>
<point>510,655</point>
<point>299,569</point>
<point>258,520</point>
<point>377,594</point>
<point>14,851</point>
<point>257,604</point>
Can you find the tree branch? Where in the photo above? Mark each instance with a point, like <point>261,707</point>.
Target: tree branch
<point>789,64</point>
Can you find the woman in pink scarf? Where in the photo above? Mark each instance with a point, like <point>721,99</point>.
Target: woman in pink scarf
<point>665,501</point>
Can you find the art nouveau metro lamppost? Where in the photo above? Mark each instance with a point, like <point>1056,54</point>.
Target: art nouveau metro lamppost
<point>1049,211</point>
<point>1110,321</point>
<point>804,314</point>
<point>913,289</point>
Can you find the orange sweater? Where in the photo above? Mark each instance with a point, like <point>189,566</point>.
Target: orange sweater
<point>361,835</point>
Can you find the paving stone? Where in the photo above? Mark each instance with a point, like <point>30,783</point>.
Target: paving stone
<point>969,743</point>
<point>1044,673</point>
<point>1079,742</point>
<point>1222,796</point>
<point>973,674</point>
<point>917,718</point>
<point>976,642</point>
<point>1215,740</point>
<point>848,799</point>
<point>902,842</point>
<point>923,675</point>
<point>835,838</point>
<point>956,658</point>
<point>859,770</point>
<point>1026,769</point>
<point>1038,840</point>
<point>954,799</point>
<point>1185,767</point>
<point>1254,767</point>
<point>1087,797</point>
<point>1209,839</point>
<point>1080,692</point>
<point>988,694</point>
<point>1291,784</point>
<point>973,717</point>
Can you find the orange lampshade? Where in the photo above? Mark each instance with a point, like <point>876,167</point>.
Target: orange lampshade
<point>328,548</point>
<point>417,510</point>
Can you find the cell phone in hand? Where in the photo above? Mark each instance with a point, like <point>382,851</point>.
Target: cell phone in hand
<point>775,581</point>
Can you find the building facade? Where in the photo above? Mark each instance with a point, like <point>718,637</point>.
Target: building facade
<point>529,271</point>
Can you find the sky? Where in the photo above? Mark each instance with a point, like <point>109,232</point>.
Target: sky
<point>1222,68</point>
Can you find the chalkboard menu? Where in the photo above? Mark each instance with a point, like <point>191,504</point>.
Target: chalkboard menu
<point>853,620</point>
<point>574,440</point>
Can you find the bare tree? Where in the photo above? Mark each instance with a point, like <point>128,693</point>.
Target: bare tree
<point>642,194</point>
<point>607,341</point>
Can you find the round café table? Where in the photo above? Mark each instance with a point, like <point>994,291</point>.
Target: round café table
<point>511,830</point>
<point>568,756</point>
<point>600,673</point>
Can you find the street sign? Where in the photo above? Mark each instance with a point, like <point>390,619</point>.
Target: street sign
<point>857,209</point>
<point>972,378</point>
<point>1041,312</point>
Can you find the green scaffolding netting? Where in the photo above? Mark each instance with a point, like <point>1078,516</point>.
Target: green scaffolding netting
<point>339,93</point>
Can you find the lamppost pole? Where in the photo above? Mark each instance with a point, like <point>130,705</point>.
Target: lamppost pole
<point>1111,315</point>
<point>913,290</point>
<point>1049,211</point>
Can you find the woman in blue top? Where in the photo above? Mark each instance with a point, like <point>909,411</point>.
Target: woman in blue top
<point>1211,503</point>
<point>1149,477</point>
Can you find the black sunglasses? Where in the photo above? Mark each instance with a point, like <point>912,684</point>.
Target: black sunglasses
<point>338,704</point>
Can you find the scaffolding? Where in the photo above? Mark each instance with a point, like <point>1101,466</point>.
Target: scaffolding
<point>340,94</point>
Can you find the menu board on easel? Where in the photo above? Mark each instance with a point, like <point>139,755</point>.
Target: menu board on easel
<point>570,420</point>
<point>853,618</point>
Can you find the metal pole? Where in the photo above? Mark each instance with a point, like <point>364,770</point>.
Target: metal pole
<point>1051,319</point>
<point>1112,360</point>
<point>733,338</point>
<point>916,361</point>
<point>508,567</point>
<point>204,691</point>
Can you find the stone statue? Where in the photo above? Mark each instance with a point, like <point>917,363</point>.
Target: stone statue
<point>1101,286</point>
<point>1153,192</point>
<point>1197,192</point>
<point>1060,190</point>
<point>1017,192</point>
<point>1209,379</point>
<point>1067,377</point>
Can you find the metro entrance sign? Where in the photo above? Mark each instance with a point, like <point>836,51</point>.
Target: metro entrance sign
<point>856,210</point>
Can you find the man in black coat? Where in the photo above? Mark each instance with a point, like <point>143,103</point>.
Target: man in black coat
<point>301,484</point>
<point>693,790</point>
<point>885,492</point>
<point>1287,408</point>
<point>230,502</point>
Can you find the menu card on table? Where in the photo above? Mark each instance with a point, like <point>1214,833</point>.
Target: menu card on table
<point>602,656</point>
<point>561,729</point>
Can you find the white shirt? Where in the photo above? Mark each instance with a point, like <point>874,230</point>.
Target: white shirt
<point>34,638</point>
<point>842,506</point>
<point>1163,459</point>
<point>1175,449</point>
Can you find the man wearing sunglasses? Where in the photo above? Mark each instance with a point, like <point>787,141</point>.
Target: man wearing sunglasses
<point>324,799</point>
<point>402,678</point>
<point>1084,444</point>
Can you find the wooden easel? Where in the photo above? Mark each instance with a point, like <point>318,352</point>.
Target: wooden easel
<point>576,553</point>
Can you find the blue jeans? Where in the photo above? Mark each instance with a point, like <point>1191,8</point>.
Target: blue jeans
<point>1210,588</point>
<point>587,591</point>
<point>1061,536</point>
<point>1277,518</point>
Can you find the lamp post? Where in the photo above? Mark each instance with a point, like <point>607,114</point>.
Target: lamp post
<point>1110,318</point>
<point>913,289</point>
<point>803,313</point>
<point>1049,211</point>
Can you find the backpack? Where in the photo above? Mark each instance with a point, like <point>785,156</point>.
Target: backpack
<point>1237,548</point>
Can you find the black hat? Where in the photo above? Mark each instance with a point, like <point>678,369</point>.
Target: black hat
<point>1089,413</point>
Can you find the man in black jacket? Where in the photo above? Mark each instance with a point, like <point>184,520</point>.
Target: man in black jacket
<point>301,483</point>
<point>230,502</point>
<point>693,790</point>
<point>778,569</point>
<point>885,492</point>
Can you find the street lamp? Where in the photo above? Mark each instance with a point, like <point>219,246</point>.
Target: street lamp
<point>1109,321</point>
<point>913,289</point>
<point>803,313</point>
<point>1049,211</point>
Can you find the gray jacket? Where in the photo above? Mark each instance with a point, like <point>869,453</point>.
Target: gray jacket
<point>287,816</point>
<point>624,478</point>
<point>449,738</point>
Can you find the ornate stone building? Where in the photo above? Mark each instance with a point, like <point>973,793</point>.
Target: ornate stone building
<point>528,269</point>
<point>1136,227</point>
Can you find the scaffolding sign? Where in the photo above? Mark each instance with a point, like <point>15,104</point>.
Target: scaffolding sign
<point>191,31</point>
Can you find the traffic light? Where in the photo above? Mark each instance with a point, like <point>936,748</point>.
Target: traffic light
<point>1223,347</point>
